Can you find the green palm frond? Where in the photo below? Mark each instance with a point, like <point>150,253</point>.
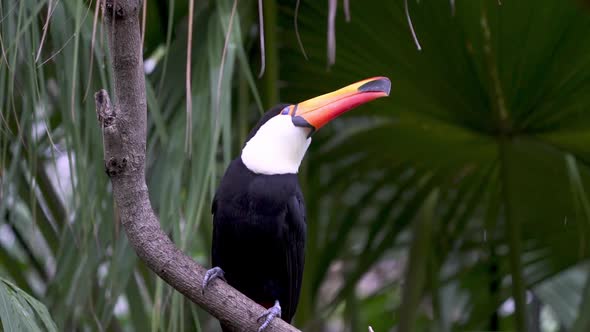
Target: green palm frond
<point>487,112</point>
<point>56,198</point>
<point>490,115</point>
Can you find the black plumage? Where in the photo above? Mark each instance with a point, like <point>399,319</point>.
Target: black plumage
<point>259,233</point>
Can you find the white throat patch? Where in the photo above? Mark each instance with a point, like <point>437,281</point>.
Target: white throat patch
<point>278,147</point>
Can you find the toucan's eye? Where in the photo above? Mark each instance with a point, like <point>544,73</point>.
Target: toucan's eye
<point>285,110</point>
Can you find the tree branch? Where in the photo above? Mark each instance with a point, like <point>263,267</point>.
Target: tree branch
<point>124,131</point>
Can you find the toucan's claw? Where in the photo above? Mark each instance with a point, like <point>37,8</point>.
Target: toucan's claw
<point>270,314</point>
<point>211,274</point>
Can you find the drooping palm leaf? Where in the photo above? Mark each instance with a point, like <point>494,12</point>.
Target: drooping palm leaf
<point>496,86</point>
<point>51,155</point>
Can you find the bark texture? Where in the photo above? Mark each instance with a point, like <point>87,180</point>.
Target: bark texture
<point>124,130</point>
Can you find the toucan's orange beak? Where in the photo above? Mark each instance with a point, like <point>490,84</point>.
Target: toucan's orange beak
<point>316,112</point>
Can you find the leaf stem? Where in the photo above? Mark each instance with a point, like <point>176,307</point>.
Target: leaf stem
<point>514,244</point>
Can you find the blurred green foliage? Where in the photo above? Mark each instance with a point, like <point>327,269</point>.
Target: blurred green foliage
<point>459,203</point>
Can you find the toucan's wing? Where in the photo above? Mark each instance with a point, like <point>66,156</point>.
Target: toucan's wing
<point>295,254</point>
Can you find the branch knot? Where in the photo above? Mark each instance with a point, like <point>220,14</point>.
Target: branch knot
<point>104,111</point>
<point>115,167</point>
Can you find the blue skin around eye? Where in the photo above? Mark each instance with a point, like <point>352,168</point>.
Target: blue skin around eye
<point>285,110</point>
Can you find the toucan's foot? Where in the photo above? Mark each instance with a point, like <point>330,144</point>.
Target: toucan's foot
<point>211,274</point>
<point>270,314</point>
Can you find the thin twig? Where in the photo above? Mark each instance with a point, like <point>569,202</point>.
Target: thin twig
<point>45,26</point>
<point>75,65</point>
<point>223,56</point>
<point>58,51</point>
<point>4,56</point>
<point>143,20</point>
<point>297,30</point>
<point>262,50</point>
<point>333,5</point>
<point>412,26</point>
<point>167,45</point>
<point>9,11</point>
<point>92,43</point>
<point>347,10</point>
<point>189,91</point>
<point>102,37</point>
<point>67,41</point>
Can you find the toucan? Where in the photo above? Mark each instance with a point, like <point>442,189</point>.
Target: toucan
<point>259,223</point>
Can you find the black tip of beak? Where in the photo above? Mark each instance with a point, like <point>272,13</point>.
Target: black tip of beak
<point>382,84</point>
